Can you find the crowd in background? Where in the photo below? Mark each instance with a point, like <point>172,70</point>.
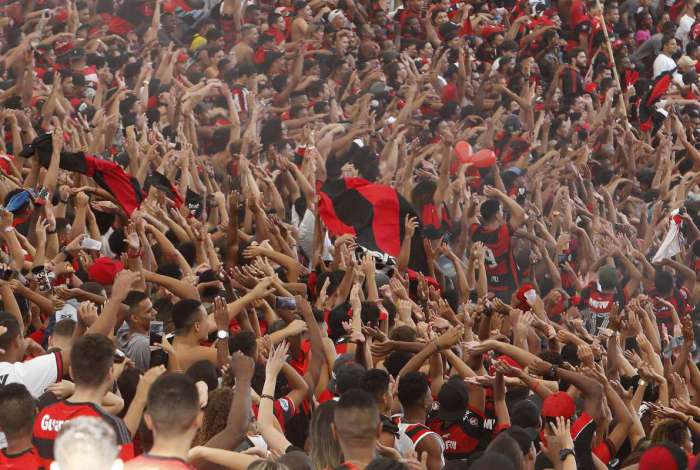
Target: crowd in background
<point>349,234</point>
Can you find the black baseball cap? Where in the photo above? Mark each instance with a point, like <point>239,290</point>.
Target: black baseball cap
<point>453,398</point>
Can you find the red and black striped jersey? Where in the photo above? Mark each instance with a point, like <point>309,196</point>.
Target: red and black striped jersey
<point>500,267</point>
<point>26,460</point>
<point>462,438</point>
<point>679,300</point>
<point>50,420</point>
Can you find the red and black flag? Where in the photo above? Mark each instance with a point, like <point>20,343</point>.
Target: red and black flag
<point>161,182</point>
<point>649,117</point>
<point>374,213</point>
<point>108,175</point>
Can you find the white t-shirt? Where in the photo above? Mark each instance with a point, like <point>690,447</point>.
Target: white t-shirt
<point>35,374</point>
<point>684,27</point>
<point>663,63</point>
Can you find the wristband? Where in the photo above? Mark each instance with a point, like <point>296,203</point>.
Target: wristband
<point>265,395</point>
<point>50,232</point>
<point>133,255</point>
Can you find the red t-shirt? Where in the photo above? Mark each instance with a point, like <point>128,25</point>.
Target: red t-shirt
<point>283,409</point>
<point>27,460</point>
<point>49,421</point>
<point>449,93</point>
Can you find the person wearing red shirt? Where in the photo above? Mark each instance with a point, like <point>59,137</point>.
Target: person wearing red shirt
<point>92,358</point>
<point>17,412</point>
<point>174,416</point>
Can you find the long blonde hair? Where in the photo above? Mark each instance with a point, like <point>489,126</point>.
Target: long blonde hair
<point>324,450</point>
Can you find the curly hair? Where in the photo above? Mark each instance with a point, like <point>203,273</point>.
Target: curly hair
<point>215,415</point>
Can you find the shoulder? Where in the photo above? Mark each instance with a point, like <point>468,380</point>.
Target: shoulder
<point>117,424</point>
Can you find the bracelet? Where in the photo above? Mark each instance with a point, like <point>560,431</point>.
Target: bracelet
<point>265,395</point>
<point>535,386</point>
<point>137,254</point>
<point>641,382</point>
<point>50,232</point>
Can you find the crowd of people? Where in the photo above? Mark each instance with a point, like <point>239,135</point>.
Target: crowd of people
<point>349,234</point>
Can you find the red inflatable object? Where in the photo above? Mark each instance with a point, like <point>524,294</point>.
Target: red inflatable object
<point>463,151</point>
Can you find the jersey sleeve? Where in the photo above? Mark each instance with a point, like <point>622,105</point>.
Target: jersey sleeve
<point>284,410</point>
<point>38,373</point>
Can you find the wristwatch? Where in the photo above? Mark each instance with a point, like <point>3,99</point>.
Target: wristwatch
<point>222,334</point>
<point>564,453</point>
<point>553,370</point>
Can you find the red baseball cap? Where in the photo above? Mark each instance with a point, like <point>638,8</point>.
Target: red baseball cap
<point>558,404</point>
<point>104,270</point>
<point>520,295</point>
<point>666,456</point>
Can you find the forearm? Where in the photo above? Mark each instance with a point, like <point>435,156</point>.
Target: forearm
<point>291,265</point>
<point>416,362</point>
<point>588,386</point>
<point>521,356</point>
<point>404,254</point>
<point>225,458</point>
<point>107,321</point>
<point>10,304</point>
<point>15,248</point>
<point>182,289</point>
<point>238,418</point>
<point>52,172</point>
<point>135,412</point>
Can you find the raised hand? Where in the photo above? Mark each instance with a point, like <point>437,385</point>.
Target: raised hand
<point>276,359</point>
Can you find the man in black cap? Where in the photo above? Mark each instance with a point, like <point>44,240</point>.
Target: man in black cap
<point>460,424</point>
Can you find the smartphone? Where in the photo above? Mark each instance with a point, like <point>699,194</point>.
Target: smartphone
<point>42,278</point>
<point>91,244</point>
<point>155,332</point>
<point>285,303</point>
<point>119,356</point>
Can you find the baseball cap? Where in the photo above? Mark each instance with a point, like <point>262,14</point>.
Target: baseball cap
<point>104,270</point>
<point>453,398</point>
<point>523,293</point>
<point>558,404</point>
<point>686,61</point>
<point>523,436</point>
<point>664,455</point>
<point>512,124</point>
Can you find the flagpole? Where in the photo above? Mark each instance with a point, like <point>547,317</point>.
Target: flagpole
<point>612,59</point>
